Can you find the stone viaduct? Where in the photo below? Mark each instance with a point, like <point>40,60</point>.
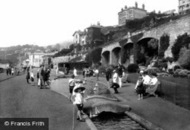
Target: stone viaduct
<point>111,54</point>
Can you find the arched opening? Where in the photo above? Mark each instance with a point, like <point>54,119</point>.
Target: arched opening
<point>105,58</point>
<point>147,50</point>
<point>116,58</point>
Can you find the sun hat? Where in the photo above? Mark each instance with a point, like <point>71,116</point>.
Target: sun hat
<point>79,87</point>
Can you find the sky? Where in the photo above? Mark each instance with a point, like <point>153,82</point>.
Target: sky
<point>47,22</point>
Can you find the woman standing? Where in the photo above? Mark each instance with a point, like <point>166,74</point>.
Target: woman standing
<point>28,76</point>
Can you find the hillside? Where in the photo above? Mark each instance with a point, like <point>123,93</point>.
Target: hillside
<point>14,53</point>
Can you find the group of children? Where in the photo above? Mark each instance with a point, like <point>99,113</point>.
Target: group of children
<point>76,90</point>
<point>146,84</point>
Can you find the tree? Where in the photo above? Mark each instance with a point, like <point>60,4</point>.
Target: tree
<point>164,44</point>
<point>181,41</point>
<point>184,60</point>
<point>94,56</point>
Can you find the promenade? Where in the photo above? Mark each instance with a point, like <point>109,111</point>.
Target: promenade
<point>19,99</point>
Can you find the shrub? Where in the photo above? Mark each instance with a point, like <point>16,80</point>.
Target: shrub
<point>181,41</point>
<point>184,60</point>
<point>133,68</point>
<point>164,44</point>
<point>94,56</point>
<point>102,69</point>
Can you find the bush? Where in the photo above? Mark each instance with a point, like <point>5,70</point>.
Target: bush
<point>133,68</point>
<point>94,56</point>
<point>181,41</point>
<point>181,73</point>
<point>184,60</point>
<point>164,44</point>
<point>102,69</point>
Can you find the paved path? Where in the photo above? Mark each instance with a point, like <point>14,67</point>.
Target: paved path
<point>19,99</point>
<point>160,112</point>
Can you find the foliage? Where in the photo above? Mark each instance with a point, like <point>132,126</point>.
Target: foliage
<point>181,41</point>
<point>181,73</point>
<point>162,63</point>
<point>133,68</point>
<point>63,52</point>
<point>164,44</point>
<point>170,59</point>
<point>153,43</point>
<point>184,60</point>
<point>94,56</point>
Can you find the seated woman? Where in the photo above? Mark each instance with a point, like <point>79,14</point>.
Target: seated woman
<point>152,86</point>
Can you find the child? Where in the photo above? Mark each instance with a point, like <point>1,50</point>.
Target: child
<point>71,85</point>
<point>140,88</point>
<point>78,100</point>
<point>115,84</point>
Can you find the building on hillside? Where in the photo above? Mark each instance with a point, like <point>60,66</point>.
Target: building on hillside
<point>36,59</point>
<point>184,6</point>
<point>94,36</point>
<point>48,59</point>
<point>4,65</point>
<point>79,39</point>
<point>131,13</point>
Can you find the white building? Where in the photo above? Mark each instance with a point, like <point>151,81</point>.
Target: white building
<point>184,6</point>
<point>131,13</point>
<point>4,65</point>
<point>36,59</point>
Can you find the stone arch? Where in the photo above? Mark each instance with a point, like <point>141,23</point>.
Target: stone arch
<point>147,50</point>
<point>116,56</point>
<point>127,54</point>
<point>106,58</point>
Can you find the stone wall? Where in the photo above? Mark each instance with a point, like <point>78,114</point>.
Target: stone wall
<point>173,29</point>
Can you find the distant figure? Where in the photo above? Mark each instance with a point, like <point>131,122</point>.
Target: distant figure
<point>12,71</point>
<point>32,77</point>
<point>108,75</point>
<point>120,75</point>
<point>71,85</point>
<point>46,77</point>
<point>38,78</point>
<point>28,77</point>
<point>7,71</point>
<point>75,72</point>
<point>57,70</point>
<point>41,75</point>
<point>115,79</point>
<point>97,74</point>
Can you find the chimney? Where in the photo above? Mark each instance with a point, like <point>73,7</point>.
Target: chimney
<point>143,6</point>
<point>98,23</point>
<point>136,5</point>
